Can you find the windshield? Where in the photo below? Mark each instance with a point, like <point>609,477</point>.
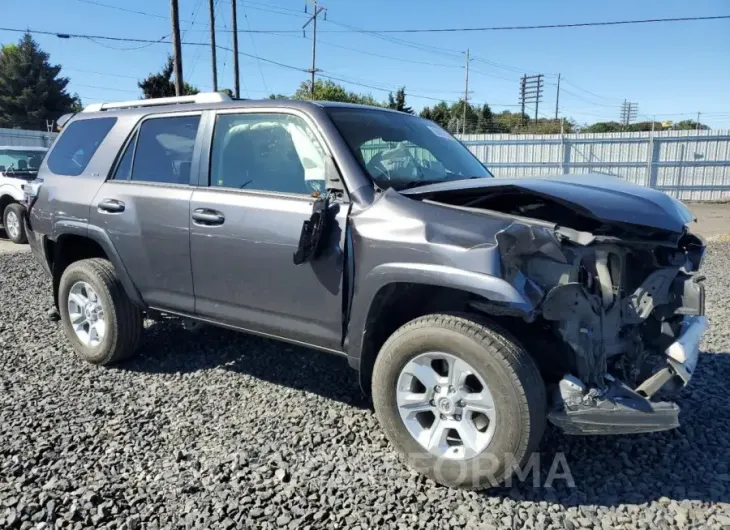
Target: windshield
<point>20,161</point>
<point>402,151</point>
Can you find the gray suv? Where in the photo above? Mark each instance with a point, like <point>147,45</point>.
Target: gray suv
<point>474,309</point>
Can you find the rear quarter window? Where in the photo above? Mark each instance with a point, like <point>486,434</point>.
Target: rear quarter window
<point>77,144</point>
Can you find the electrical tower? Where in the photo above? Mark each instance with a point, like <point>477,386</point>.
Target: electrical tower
<point>531,92</point>
<point>628,112</point>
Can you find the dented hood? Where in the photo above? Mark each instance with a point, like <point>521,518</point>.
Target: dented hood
<point>604,198</point>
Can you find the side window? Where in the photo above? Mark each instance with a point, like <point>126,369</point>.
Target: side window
<point>124,169</point>
<point>77,144</point>
<point>164,150</point>
<point>266,152</point>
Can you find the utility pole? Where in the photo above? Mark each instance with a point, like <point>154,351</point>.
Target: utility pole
<point>523,83</point>
<point>530,92</point>
<point>557,99</point>
<point>236,84</point>
<point>629,112</point>
<point>466,93</point>
<point>313,19</point>
<point>211,8</point>
<point>176,51</point>
<point>698,122</point>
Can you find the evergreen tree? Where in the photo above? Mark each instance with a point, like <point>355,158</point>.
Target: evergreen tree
<point>399,101</point>
<point>160,85</point>
<point>31,90</point>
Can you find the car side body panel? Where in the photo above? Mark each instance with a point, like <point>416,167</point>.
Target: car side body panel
<point>400,240</point>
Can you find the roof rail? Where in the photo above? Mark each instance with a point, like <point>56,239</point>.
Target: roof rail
<point>202,97</point>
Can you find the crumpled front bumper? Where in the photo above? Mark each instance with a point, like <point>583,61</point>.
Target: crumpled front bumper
<point>682,357</point>
<point>622,410</point>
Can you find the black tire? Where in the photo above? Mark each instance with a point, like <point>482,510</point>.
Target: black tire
<point>123,319</point>
<point>513,380</point>
<point>17,209</point>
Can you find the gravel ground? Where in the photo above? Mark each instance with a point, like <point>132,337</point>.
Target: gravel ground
<point>220,430</point>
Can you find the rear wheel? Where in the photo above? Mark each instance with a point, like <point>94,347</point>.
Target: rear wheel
<point>13,223</point>
<point>100,320</point>
<point>460,400</point>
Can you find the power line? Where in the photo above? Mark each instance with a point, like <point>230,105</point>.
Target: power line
<point>253,45</point>
<point>549,26</point>
<point>132,39</point>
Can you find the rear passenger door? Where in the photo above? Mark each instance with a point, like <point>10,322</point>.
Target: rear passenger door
<point>144,208</point>
<point>264,173</point>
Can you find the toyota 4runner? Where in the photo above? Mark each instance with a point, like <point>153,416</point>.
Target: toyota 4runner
<point>473,308</point>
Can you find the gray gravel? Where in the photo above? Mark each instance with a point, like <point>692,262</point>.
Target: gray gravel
<point>219,430</point>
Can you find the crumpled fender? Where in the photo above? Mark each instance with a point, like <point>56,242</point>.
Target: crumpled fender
<point>491,288</point>
<point>399,240</point>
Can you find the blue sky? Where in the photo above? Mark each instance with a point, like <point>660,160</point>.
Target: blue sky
<point>672,70</point>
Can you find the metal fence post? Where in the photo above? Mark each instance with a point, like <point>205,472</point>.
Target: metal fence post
<point>564,153</point>
<point>650,175</point>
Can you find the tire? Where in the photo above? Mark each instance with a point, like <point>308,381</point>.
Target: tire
<point>123,320</point>
<point>14,215</point>
<point>512,378</point>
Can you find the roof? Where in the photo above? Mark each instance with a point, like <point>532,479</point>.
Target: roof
<point>225,104</point>
<point>23,148</point>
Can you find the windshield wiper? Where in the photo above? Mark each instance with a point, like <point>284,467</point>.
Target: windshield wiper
<point>417,183</point>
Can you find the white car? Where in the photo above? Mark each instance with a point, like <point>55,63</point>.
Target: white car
<point>18,165</point>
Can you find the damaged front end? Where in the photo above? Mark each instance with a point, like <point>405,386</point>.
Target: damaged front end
<point>632,314</point>
<point>623,303</point>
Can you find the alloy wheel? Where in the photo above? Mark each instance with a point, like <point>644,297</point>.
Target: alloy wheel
<point>446,406</point>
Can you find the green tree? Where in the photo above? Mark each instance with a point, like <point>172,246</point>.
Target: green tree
<point>485,120</point>
<point>160,85</point>
<point>689,125</point>
<point>439,114</point>
<point>31,90</point>
<point>511,122</point>
<point>399,101</point>
<point>76,106</point>
<point>604,127</point>
<point>330,91</point>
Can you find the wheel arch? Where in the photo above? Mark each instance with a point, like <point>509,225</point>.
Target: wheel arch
<point>74,243</point>
<point>6,199</point>
<point>394,294</point>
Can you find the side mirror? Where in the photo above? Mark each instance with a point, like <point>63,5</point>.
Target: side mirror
<point>315,230</point>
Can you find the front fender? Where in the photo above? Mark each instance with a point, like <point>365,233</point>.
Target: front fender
<point>490,288</point>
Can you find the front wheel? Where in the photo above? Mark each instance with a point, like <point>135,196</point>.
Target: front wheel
<point>460,400</point>
<point>100,320</point>
<point>13,223</point>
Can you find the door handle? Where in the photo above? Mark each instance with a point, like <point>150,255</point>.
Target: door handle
<point>111,206</point>
<point>204,216</point>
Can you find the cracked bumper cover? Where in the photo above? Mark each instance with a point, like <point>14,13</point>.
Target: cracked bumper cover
<point>622,410</point>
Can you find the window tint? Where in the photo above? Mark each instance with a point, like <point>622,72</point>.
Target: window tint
<point>164,151</point>
<point>124,169</point>
<point>269,152</point>
<point>77,144</point>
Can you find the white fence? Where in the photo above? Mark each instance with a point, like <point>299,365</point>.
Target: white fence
<point>25,137</point>
<point>686,164</point>
<point>689,165</point>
